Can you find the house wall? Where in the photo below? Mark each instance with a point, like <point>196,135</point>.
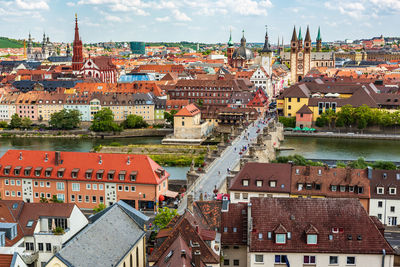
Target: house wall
<point>296,260</point>
<point>136,255</point>
<point>83,109</point>
<point>292,105</point>
<point>232,253</point>
<point>234,199</point>
<point>306,120</point>
<point>384,212</point>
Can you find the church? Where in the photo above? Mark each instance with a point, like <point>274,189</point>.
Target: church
<point>48,49</point>
<point>242,57</point>
<point>302,59</point>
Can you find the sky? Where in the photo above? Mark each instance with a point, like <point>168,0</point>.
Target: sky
<point>207,21</point>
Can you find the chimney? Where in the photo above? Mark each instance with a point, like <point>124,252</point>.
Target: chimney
<point>100,160</point>
<point>20,155</point>
<point>196,258</point>
<point>46,157</point>
<point>348,175</point>
<point>369,170</point>
<point>57,158</point>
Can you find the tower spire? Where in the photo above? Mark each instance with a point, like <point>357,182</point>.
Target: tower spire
<point>230,42</point>
<point>319,34</point>
<point>319,41</point>
<point>294,35</point>
<point>308,38</point>
<point>77,57</point>
<point>267,47</point>
<point>300,37</point>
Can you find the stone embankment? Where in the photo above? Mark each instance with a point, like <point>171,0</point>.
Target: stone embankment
<point>345,135</point>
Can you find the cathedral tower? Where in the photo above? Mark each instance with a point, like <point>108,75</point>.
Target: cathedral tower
<point>230,49</point>
<point>294,48</point>
<point>300,38</point>
<point>266,54</point>
<point>307,52</point>
<point>77,58</point>
<point>319,41</point>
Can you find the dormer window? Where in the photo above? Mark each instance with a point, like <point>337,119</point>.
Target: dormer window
<point>47,172</point>
<point>380,190</point>
<point>297,171</point>
<point>392,190</point>
<point>133,175</point>
<point>6,170</point>
<point>308,186</point>
<point>319,172</point>
<point>27,171</point>
<point>299,186</point>
<point>360,189</point>
<point>342,188</point>
<point>259,183</point>
<point>88,174</point>
<point>317,187</point>
<point>74,173</point>
<point>351,188</point>
<point>260,236</point>
<point>99,174</point>
<point>280,238</point>
<point>333,188</point>
<point>272,183</point>
<point>17,170</point>
<point>245,182</point>
<point>60,173</point>
<point>312,239</point>
<point>384,175</point>
<point>38,171</point>
<point>121,175</point>
<point>110,174</point>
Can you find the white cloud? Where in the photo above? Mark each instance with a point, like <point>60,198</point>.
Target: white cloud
<point>32,4</point>
<point>163,19</point>
<point>387,4</point>
<point>180,16</point>
<point>71,4</point>
<point>113,18</point>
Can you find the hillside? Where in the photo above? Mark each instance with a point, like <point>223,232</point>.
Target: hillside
<point>10,43</point>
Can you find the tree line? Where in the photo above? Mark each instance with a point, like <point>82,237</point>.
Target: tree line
<point>360,117</point>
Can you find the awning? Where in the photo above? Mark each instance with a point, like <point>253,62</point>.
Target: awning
<point>89,171</point>
<point>171,194</point>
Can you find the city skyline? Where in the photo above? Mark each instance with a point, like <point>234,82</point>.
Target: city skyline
<point>208,21</point>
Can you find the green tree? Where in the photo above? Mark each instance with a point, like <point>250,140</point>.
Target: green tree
<point>26,123</point>
<point>164,216</point>
<point>65,119</point>
<point>99,208</point>
<point>103,121</point>
<point>15,122</point>
<point>340,165</point>
<point>346,115</point>
<point>289,122</point>
<point>3,124</point>
<point>54,199</point>
<point>384,165</point>
<point>134,122</point>
<point>358,164</point>
<point>169,116</point>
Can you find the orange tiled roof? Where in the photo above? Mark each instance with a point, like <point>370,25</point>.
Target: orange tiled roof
<point>188,111</point>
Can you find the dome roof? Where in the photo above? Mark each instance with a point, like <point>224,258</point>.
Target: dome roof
<point>243,52</point>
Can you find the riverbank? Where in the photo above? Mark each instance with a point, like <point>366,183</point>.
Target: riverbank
<point>344,135</point>
<point>166,155</point>
<point>128,133</point>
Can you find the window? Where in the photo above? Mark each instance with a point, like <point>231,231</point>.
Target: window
<point>308,186</point>
<point>309,259</point>
<point>272,183</point>
<point>259,183</point>
<point>236,263</point>
<point>58,222</point>
<point>76,187</point>
<point>120,188</point>
<point>280,259</point>
<point>360,190</point>
<point>379,216</point>
<point>40,245</point>
<point>280,238</point>
<point>333,188</point>
<point>333,260</point>
<point>126,188</point>
<point>380,190</point>
<point>289,107</point>
<point>87,199</point>
<point>297,171</point>
<point>101,199</point>
<point>351,260</point>
<point>245,182</point>
<point>88,186</point>
<point>245,196</point>
<point>72,198</point>
<point>319,172</point>
<point>12,182</point>
<point>29,246</point>
<point>380,204</point>
<point>133,188</point>
<point>234,229</point>
<point>317,187</point>
<point>237,195</point>
<point>101,187</point>
<point>60,197</point>
<point>226,262</point>
<point>392,190</point>
<point>94,186</point>
<point>6,182</point>
<point>392,209</point>
<point>342,188</point>
<point>94,200</point>
<point>60,186</point>
<point>60,174</point>
<point>299,187</point>
<point>260,236</point>
<point>312,239</point>
<point>41,184</point>
<point>225,229</point>
<point>48,247</point>
<point>79,198</point>
<point>36,194</point>
<point>47,184</point>
<point>351,188</point>
<point>259,258</point>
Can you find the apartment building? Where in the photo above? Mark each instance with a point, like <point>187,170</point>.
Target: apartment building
<point>85,179</point>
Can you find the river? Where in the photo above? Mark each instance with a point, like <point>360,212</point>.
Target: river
<point>342,149</point>
<point>311,148</point>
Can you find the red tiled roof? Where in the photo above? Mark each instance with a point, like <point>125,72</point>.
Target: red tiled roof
<point>144,167</point>
<point>296,215</point>
<point>304,110</point>
<point>234,218</point>
<point>188,111</point>
<point>265,172</point>
<point>5,260</point>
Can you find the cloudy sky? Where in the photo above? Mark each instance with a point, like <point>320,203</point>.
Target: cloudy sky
<point>197,20</point>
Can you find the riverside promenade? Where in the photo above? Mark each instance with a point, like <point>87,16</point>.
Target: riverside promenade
<point>344,135</point>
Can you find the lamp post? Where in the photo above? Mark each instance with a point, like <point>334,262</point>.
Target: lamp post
<point>140,194</point>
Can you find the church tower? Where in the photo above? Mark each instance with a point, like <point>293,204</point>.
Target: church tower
<point>230,49</point>
<point>300,38</point>
<point>307,52</point>
<point>319,41</point>
<point>266,54</point>
<point>294,49</point>
<point>29,51</point>
<point>77,58</point>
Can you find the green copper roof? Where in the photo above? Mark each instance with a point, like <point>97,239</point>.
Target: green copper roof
<point>319,35</point>
<point>300,37</point>
<point>230,42</point>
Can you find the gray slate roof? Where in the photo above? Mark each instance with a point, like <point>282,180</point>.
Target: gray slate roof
<point>107,240</point>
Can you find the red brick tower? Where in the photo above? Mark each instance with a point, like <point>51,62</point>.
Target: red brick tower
<point>77,58</point>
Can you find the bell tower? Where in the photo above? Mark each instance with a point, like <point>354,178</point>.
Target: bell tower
<point>294,49</point>
<point>307,52</point>
<point>319,41</point>
<point>266,54</point>
<point>230,50</point>
<point>77,57</point>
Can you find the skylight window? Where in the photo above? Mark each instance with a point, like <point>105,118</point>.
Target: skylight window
<point>29,224</point>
